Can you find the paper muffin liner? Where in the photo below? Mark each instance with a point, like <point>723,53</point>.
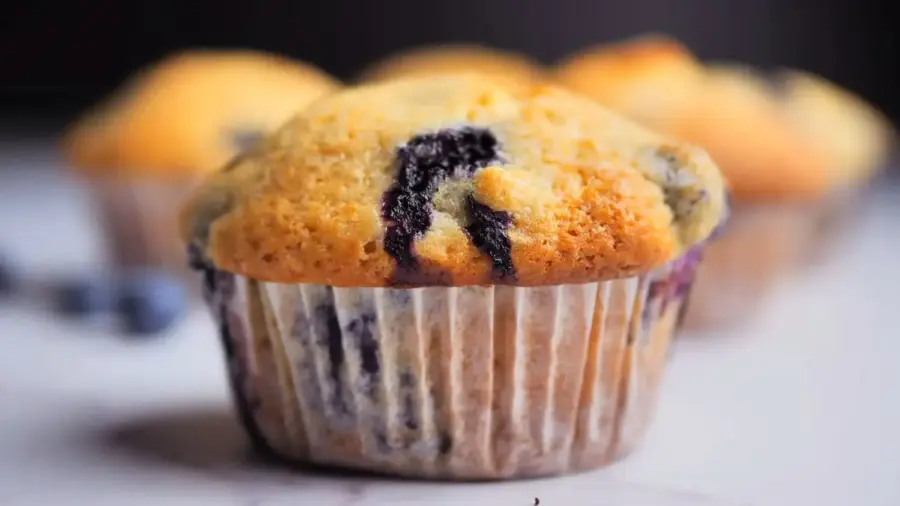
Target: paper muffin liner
<point>760,246</point>
<point>449,382</point>
<point>139,218</point>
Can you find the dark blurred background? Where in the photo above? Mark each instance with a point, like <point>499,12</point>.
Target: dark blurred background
<point>59,56</point>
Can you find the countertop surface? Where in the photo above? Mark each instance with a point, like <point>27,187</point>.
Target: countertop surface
<point>799,408</point>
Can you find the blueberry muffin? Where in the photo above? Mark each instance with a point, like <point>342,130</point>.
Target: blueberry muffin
<point>142,149</point>
<point>647,78</point>
<point>506,67</point>
<point>855,137</point>
<point>444,277</point>
<point>776,176</point>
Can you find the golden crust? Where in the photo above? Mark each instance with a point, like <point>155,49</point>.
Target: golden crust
<point>735,115</point>
<point>184,114</point>
<point>506,67</point>
<point>854,135</point>
<point>647,78</point>
<point>591,196</point>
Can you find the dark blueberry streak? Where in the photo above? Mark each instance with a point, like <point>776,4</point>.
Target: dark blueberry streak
<point>329,329</point>
<point>218,286</point>
<point>407,383</point>
<point>658,290</point>
<point>445,444</point>
<point>384,447</point>
<point>361,328</point>
<point>408,207</point>
<point>245,407</point>
<point>488,234</point>
<point>687,271</point>
<point>409,412</point>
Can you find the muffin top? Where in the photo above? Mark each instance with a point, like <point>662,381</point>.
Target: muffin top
<point>646,78</point>
<point>192,112</point>
<point>854,135</point>
<point>735,115</point>
<point>454,180</point>
<point>506,67</point>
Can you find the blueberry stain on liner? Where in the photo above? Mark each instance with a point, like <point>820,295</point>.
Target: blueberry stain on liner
<point>329,334</point>
<point>423,164</point>
<point>218,287</point>
<point>674,286</point>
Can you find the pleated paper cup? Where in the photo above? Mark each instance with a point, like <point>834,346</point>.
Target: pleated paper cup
<point>760,246</point>
<point>139,218</point>
<point>449,382</point>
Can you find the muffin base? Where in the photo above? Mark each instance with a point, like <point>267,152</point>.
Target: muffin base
<point>453,383</point>
<point>760,246</point>
<point>140,222</point>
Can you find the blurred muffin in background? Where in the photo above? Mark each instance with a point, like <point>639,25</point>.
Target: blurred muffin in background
<point>854,135</point>
<point>144,148</point>
<point>775,174</point>
<point>777,179</point>
<point>648,78</point>
<point>506,67</point>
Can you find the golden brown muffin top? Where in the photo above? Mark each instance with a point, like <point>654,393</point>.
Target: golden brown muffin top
<point>646,77</point>
<point>854,135</point>
<point>735,115</point>
<point>192,112</point>
<point>455,180</point>
<point>506,67</point>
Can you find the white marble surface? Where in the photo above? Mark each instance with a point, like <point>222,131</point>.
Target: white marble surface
<point>801,408</point>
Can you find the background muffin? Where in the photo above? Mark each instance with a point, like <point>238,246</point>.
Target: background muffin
<point>776,175</point>
<point>143,148</point>
<point>648,78</point>
<point>854,136</point>
<point>504,66</point>
<point>443,277</point>
<point>777,178</point>
<point>735,116</point>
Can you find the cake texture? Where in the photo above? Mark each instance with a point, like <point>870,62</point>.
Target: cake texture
<point>457,181</point>
<point>446,278</point>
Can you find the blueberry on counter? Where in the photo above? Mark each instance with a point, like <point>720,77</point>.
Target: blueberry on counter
<point>150,303</point>
<point>83,296</point>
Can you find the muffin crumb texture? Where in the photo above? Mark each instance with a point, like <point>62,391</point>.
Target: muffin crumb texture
<point>455,181</point>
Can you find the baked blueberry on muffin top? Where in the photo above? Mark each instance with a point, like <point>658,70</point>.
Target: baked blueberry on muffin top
<point>455,180</point>
<point>423,164</point>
